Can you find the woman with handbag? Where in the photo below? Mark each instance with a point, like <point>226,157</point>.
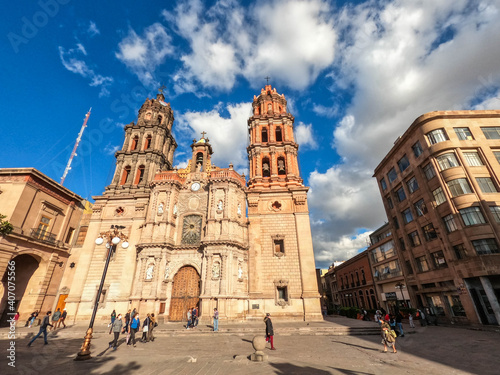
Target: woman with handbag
<point>388,336</point>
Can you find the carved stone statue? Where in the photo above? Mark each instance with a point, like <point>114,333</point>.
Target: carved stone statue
<point>160,209</point>
<point>219,206</point>
<point>175,209</point>
<point>239,209</point>
<point>167,272</point>
<point>149,272</point>
<point>216,271</point>
<point>240,271</point>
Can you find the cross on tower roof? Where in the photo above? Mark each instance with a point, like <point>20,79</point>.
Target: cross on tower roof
<point>203,134</point>
<point>267,79</point>
<point>163,87</point>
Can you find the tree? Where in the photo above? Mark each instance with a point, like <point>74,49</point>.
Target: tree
<point>5,226</point>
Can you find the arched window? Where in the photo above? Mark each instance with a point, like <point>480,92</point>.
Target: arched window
<point>135,141</point>
<point>279,136</point>
<point>363,277</point>
<point>140,175</point>
<point>147,144</point>
<point>357,278</point>
<point>160,119</point>
<point>264,135</point>
<point>266,168</point>
<point>281,166</point>
<point>199,162</point>
<point>125,175</point>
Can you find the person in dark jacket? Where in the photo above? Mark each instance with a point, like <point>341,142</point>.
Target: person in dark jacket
<point>145,329</point>
<point>269,330</point>
<point>43,329</point>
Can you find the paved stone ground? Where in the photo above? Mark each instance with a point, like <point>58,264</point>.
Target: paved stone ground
<point>425,350</point>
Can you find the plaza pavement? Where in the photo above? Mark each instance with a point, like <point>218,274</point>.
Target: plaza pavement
<point>336,346</point>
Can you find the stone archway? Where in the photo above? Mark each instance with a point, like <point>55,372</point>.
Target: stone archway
<point>185,293</point>
<point>25,267</point>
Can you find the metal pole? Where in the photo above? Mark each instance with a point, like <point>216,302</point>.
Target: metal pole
<point>84,352</point>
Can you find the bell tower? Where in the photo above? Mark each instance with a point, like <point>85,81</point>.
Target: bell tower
<point>148,147</point>
<point>272,151</point>
<point>281,256</point>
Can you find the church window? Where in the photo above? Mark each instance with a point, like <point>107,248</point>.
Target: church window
<point>160,118</point>
<point>281,166</point>
<point>147,145</point>
<point>266,168</point>
<point>69,236</point>
<point>140,175</point>
<point>264,135</point>
<point>279,137</point>
<point>282,293</point>
<point>125,176</point>
<point>43,228</point>
<point>279,247</point>
<point>135,141</point>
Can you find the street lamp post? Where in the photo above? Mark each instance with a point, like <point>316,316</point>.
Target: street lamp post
<point>400,286</point>
<point>113,238</point>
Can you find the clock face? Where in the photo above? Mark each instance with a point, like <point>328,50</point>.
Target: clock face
<point>195,186</point>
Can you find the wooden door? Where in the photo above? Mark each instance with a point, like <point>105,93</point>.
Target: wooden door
<point>185,293</point>
<point>61,303</point>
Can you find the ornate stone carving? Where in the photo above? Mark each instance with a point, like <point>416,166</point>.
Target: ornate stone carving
<point>191,229</point>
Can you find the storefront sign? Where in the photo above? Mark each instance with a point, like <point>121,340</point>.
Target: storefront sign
<point>391,296</point>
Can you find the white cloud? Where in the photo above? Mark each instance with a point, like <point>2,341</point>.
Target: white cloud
<point>110,149</point>
<point>403,59</point>
<point>142,55</point>
<point>72,61</point>
<point>93,30</point>
<point>304,136</point>
<point>228,136</point>
<point>342,249</point>
<point>293,41</point>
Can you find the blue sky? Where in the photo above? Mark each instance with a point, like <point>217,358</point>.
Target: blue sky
<point>355,74</point>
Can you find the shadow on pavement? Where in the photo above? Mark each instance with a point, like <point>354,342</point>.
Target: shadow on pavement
<point>357,346</point>
<point>289,369</point>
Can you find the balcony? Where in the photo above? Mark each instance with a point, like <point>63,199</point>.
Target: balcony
<point>42,236</point>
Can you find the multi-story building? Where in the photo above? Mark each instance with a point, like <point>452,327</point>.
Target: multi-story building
<point>45,216</point>
<point>440,187</point>
<point>351,283</point>
<point>387,271</point>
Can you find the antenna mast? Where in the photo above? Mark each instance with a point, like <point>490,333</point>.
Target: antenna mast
<point>78,139</point>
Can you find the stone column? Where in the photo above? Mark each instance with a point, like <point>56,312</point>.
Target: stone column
<point>490,293</point>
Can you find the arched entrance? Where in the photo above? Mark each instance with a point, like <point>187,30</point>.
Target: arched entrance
<point>185,293</point>
<point>25,267</point>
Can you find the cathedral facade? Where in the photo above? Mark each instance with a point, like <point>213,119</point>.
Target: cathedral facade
<point>202,236</point>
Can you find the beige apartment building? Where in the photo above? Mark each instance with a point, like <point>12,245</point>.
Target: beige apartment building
<point>46,217</point>
<point>440,187</point>
<point>388,271</point>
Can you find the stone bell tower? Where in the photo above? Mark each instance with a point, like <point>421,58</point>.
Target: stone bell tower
<point>148,147</point>
<point>281,258</point>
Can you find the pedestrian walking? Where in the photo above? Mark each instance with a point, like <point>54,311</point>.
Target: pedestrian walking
<point>410,319</point>
<point>152,325</point>
<point>216,320</point>
<point>135,324</point>
<point>43,329</point>
<point>189,315</point>
<point>55,318</point>
<point>113,316</point>
<point>63,318</point>
<point>127,321</point>
<point>16,318</point>
<point>388,338</point>
<point>195,317</point>
<point>145,329</point>
<point>269,330</point>
<point>116,328</point>
<point>421,314</point>
<point>399,323</point>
